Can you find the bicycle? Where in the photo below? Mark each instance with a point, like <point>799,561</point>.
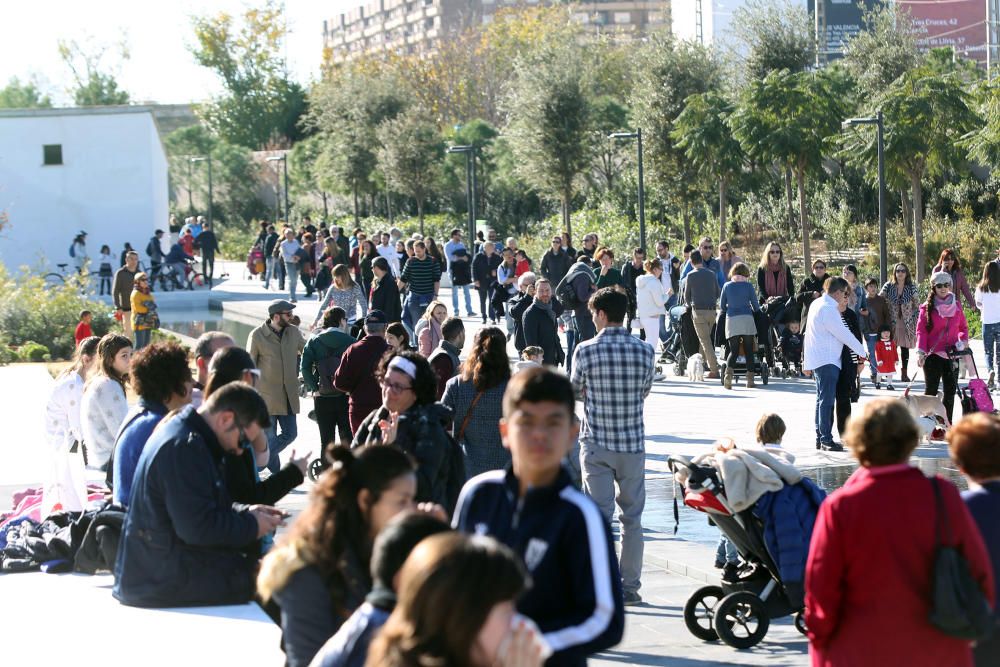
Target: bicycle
<point>55,280</point>
<point>170,279</point>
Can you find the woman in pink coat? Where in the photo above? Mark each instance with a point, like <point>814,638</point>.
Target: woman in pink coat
<point>868,576</point>
<point>941,326</point>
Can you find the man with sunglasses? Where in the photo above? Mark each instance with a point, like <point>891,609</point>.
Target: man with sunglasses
<point>275,347</point>
<point>556,261</point>
<point>706,249</point>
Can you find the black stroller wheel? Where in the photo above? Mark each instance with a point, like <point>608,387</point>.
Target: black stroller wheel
<point>699,612</point>
<point>800,622</point>
<point>765,374</point>
<point>741,620</point>
<point>316,468</point>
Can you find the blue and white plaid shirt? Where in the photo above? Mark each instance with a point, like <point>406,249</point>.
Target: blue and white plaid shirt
<point>613,372</point>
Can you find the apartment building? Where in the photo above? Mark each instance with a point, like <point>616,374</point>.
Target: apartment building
<point>419,26</point>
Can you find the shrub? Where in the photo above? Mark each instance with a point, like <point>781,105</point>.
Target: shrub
<point>34,352</point>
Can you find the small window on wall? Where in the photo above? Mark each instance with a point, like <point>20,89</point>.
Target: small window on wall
<point>52,154</point>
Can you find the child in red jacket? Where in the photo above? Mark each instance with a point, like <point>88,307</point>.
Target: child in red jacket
<point>83,329</point>
<point>886,357</point>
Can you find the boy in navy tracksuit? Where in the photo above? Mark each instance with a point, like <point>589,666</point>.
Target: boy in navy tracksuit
<point>533,507</point>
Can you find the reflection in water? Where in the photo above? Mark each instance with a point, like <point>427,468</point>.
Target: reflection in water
<point>194,328</point>
<point>694,525</point>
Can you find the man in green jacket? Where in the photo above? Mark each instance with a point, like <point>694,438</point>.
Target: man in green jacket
<point>320,360</point>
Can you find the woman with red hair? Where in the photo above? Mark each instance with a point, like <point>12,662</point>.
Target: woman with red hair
<point>948,262</point>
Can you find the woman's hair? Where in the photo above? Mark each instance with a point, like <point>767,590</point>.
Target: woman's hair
<point>160,371</point>
<point>342,277</point>
<point>948,253</point>
<point>399,331</point>
<point>368,253</point>
<point>86,348</point>
<point>438,617</point>
<point>765,259</point>
<point>432,248</point>
<point>909,278</point>
<point>308,237</point>
<point>105,250</point>
<point>487,365</point>
<point>931,293</point>
<point>991,278</point>
<point>333,521</point>
<point>770,429</point>
<point>227,365</point>
<point>381,263</point>
<point>601,252</point>
<point>818,260</point>
<point>972,442</point>
<point>424,385</point>
<point>849,268</point>
<point>884,434</point>
<point>739,269</point>
<point>107,350</point>
<point>651,264</point>
<point>429,312</point>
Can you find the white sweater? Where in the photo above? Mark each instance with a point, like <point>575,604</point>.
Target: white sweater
<point>650,297</point>
<point>989,304</point>
<point>65,483</point>
<point>102,413</point>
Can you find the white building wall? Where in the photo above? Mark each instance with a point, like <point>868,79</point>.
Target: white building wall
<point>112,183</point>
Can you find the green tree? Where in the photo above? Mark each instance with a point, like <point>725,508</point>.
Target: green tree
<point>669,73</point>
<point>94,85</point>
<point>410,155</point>
<point>776,34</point>
<point>926,114</point>
<point>550,129</point>
<point>307,179</point>
<point>787,118</point>
<point>884,50</point>
<point>261,107</point>
<point>702,132</point>
<point>26,95</point>
<point>610,115</point>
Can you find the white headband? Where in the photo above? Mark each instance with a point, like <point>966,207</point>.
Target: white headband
<point>404,366</point>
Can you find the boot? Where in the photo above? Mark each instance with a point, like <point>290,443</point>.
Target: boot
<point>727,380</point>
<point>904,377</point>
<point>750,382</point>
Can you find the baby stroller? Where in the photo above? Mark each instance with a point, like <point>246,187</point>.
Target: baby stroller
<point>255,262</point>
<point>763,355</point>
<point>790,354</point>
<point>974,396</point>
<point>737,611</point>
<point>683,340</point>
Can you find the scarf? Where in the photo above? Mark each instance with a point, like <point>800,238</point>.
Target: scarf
<point>852,295</point>
<point>775,285</point>
<point>547,308</point>
<point>946,307</point>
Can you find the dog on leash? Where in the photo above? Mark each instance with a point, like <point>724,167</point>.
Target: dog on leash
<point>922,406</point>
<point>696,368</point>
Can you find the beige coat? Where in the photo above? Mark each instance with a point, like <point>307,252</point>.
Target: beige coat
<point>277,359</point>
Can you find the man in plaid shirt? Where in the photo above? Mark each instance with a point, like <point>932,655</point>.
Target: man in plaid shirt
<point>613,373</point>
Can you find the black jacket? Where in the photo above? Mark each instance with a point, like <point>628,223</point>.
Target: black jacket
<point>540,330</point>
<point>185,542</point>
<point>484,268</point>
<point>555,265</point>
<point>461,268</point>
<point>269,243</point>
<point>207,243</point>
<point>424,433</point>
<point>576,599</point>
<point>629,275</point>
<point>762,284</point>
<point>385,297</point>
<point>518,304</point>
<point>241,479</point>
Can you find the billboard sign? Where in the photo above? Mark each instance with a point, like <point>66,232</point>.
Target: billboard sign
<point>958,24</point>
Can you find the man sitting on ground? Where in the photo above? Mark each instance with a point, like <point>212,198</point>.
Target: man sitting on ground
<point>184,542</point>
<point>444,358</point>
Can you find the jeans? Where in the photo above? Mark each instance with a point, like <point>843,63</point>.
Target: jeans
<point>331,415</point>
<point>991,337</point>
<point>825,378</point>
<point>484,298</point>
<point>416,305</point>
<point>870,340</point>
<point>276,443</point>
<point>292,272</point>
<point>726,552</point>
<point>142,338</point>
<point>468,299</point>
<point>603,470</point>
<point>269,272</point>
<point>570,347</point>
<point>936,370</point>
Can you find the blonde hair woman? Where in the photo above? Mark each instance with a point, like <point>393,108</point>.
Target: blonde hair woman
<point>428,329</point>
<point>343,293</point>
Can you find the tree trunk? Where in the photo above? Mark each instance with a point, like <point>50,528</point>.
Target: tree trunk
<point>788,198</point>
<point>904,198</point>
<point>722,209</point>
<point>800,176</point>
<point>388,206</point>
<point>357,214</point>
<point>371,210</point>
<point>420,213</point>
<point>685,214</point>
<point>326,209</point>
<point>567,225</point>
<point>918,225</point>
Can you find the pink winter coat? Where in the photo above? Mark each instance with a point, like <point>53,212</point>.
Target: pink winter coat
<point>944,333</point>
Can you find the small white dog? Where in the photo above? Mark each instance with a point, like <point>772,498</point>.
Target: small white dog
<point>696,368</point>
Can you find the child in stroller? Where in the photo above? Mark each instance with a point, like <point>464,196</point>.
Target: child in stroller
<point>790,349</point>
<point>767,509</point>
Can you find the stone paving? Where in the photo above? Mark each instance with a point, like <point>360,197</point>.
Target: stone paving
<point>681,418</point>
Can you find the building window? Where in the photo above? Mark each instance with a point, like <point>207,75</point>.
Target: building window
<point>52,154</point>
<point>623,17</point>
<point>429,23</point>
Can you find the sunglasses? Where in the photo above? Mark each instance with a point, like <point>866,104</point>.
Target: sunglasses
<point>775,252</point>
<point>396,388</point>
<point>901,271</point>
<point>820,266</point>
<point>943,286</point>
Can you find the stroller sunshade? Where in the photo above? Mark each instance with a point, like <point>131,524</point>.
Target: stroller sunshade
<point>705,501</point>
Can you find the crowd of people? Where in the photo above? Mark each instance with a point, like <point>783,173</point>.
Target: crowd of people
<point>434,468</point>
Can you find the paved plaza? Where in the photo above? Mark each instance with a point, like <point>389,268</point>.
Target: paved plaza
<point>681,418</point>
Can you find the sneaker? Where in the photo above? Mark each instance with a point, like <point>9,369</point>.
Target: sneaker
<point>731,572</point>
<point>878,386</point>
<point>657,376</point>
<point>632,598</point>
<point>831,447</point>
<point>890,387</point>
<point>719,564</point>
<point>991,383</point>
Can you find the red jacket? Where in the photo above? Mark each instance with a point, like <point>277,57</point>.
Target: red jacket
<point>886,356</point>
<point>869,572</point>
<point>356,377</point>
<point>83,330</point>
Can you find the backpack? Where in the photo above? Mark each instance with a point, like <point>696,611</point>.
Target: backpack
<point>327,368</point>
<point>566,293</point>
<point>72,250</point>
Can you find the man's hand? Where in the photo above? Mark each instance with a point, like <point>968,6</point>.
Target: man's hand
<point>301,462</point>
<point>268,518</point>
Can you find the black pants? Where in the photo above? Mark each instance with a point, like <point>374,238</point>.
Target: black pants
<point>734,351</point>
<point>208,265</point>
<point>484,297</point>
<point>904,359</point>
<point>846,382</point>
<point>937,369</point>
<point>331,415</point>
<point>585,329</point>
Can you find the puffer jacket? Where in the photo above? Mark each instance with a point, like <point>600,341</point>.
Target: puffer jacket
<point>944,333</point>
<point>277,358</point>
<point>424,433</point>
<point>650,299</point>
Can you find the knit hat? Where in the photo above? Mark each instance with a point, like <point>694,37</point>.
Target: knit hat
<point>941,278</point>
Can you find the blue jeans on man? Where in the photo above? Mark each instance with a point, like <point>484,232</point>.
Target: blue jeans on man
<point>826,394</point>
<point>991,338</point>
<point>292,273</point>
<point>468,299</point>
<point>276,443</point>
<point>870,340</point>
<point>416,305</point>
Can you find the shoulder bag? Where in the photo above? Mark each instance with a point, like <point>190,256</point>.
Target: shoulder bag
<point>468,416</point>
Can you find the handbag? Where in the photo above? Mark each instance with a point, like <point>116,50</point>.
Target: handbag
<point>958,606</point>
<point>468,416</point>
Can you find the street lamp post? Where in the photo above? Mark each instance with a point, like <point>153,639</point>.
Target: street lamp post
<point>284,166</point>
<point>637,135</point>
<point>190,188</point>
<point>208,159</point>
<point>878,121</point>
<point>470,185</point>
